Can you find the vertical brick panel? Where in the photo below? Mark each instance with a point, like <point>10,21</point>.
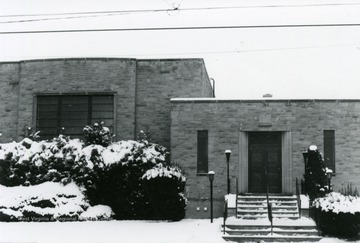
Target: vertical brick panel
<point>9,97</point>
<point>160,80</point>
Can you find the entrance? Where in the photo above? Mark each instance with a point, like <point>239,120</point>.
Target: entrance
<point>265,162</point>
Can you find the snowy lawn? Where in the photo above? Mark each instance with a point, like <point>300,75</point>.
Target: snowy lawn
<point>188,230</point>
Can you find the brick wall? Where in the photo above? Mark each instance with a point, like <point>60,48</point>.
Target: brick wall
<point>24,79</point>
<point>9,96</point>
<point>160,80</point>
<point>147,83</point>
<point>305,119</point>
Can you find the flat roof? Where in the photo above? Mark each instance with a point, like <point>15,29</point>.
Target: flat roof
<point>103,59</point>
<point>219,100</point>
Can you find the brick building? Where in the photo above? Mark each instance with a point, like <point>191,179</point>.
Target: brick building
<point>265,137</point>
<point>173,100</point>
<point>63,95</point>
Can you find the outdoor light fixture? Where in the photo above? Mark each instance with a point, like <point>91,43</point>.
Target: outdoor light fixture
<point>305,155</point>
<point>211,178</point>
<point>227,154</point>
<point>329,176</point>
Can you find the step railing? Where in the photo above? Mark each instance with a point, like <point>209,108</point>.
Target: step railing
<point>298,197</point>
<point>236,198</point>
<point>225,213</point>
<point>269,209</point>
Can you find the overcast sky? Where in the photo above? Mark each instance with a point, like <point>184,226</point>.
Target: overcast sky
<point>306,62</point>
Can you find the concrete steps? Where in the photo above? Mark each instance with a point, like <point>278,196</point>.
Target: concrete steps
<point>253,207</point>
<point>252,224</point>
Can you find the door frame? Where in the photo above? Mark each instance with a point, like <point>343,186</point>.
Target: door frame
<point>286,161</point>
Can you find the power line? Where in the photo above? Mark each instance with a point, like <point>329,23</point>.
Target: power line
<point>181,28</point>
<point>58,18</point>
<point>177,8</point>
<point>208,52</point>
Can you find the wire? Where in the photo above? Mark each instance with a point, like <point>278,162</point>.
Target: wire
<point>181,28</point>
<point>209,52</point>
<point>174,8</point>
<point>58,18</point>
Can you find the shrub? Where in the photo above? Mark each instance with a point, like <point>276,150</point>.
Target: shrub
<point>32,163</point>
<point>45,202</point>
<point>109,175</point>
<point>349,190</point>
<point>315,174</point>
<point>338,215</point>
<point>97,134</point>
<point>165,187</point>
<point>117,182</point>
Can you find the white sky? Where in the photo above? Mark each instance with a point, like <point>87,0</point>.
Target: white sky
<point>321,62</point>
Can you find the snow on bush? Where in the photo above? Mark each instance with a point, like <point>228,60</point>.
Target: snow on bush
<point>338,215</point>
<point>165,186</point>
<point>48,201</point>
<point>98,212</point>
<point>29,163</point>
<point>63,159</point>
<point>164,171</point>
<point>44,202</point>
<point>338,203</point>
<point>110,175</point>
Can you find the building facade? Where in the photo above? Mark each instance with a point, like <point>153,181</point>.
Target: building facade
<point>56,96</point>
<point>267,138</point>
<point>173,100</point>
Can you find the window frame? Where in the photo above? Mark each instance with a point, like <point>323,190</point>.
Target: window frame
<point>329,140</point>
<point>35,104</point>
<point>199,147</point>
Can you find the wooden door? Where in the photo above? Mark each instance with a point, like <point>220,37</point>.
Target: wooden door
<point>265,162</point>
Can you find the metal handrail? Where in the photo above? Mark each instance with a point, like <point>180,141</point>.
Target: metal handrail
<point>236,198</point>
<point>225,213</point>
<point>269,209</point>
<point>298,197</point>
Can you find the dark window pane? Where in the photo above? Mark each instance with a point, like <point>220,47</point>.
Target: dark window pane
<point>68,114</point>
<point>202,151</point>
<point>329,149</point>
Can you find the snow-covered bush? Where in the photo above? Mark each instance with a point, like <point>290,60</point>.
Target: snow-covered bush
<point>315,174</point>
<point>115,175</point>
<point>45,202</point>
<point>110,175</point>
<point>97,134</point>
<point>338,215</point>
<point>30,163</point>
<point>98,212</point>
<point>165,187</point>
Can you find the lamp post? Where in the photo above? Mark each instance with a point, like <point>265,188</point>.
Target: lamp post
<point>329,176</point>
<point>211,178</point>
<point>227,154</point>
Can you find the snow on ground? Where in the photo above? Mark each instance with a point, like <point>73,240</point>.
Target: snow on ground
<point>185,231</point>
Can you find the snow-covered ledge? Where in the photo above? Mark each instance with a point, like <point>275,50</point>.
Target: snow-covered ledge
<point>231,199</point>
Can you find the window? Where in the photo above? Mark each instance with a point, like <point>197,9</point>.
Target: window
<point>68,114</point>
<point>329,149</point>
<point>202,152</point>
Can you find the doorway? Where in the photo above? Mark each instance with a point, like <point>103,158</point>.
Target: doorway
<point>265,160</point>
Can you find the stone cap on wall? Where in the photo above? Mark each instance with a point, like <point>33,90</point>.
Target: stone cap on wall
<point>218,100</point>
<point>101,59</point>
